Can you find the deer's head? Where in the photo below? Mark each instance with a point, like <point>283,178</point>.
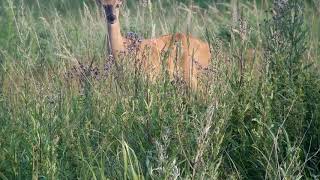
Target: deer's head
<point>111,8</point>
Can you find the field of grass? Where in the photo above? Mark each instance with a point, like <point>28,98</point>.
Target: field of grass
<point>67,113</point>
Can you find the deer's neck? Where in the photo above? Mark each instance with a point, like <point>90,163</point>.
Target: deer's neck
<point>116,44</point>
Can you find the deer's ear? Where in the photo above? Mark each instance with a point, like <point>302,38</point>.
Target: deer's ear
<point>120,1</point>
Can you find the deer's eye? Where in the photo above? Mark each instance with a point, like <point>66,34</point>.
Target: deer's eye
<point>118,6</point>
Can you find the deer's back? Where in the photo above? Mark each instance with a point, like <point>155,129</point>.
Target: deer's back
<point>182,54</point>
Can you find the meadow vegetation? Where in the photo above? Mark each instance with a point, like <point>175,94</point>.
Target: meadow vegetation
<point>67,112</point>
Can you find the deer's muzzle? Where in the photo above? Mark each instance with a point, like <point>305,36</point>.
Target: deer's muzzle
<point>111,18</point>
<point>109,14</point>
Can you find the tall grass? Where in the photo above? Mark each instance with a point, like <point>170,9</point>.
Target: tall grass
<point>66,112</point>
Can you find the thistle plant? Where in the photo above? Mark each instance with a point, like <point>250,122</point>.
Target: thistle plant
<point>286,69</point>
<point>285,44</point>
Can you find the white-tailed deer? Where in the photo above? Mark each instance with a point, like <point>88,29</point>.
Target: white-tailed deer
<point>183,53</point>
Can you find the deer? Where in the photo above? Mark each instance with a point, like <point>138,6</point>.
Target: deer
<point>185,54</point>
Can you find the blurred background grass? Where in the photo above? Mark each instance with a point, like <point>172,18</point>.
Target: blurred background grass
<point>258,116</point>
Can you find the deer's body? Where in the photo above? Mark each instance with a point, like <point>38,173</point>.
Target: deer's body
<point>180,53</point>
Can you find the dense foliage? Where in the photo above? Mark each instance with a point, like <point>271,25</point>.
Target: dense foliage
<point>66,111</point>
